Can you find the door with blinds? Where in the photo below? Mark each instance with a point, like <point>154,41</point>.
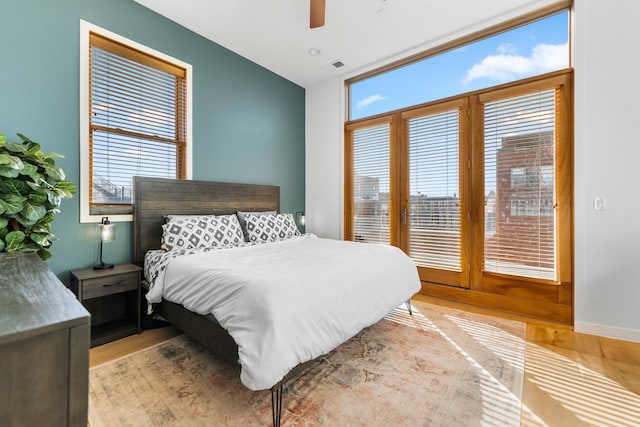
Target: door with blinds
<point>519,190</point>
<point>434,227</point>
<point>370,195</point>
<point>526,187</point>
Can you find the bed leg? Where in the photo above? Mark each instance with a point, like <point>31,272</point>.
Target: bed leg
<point>276,404</point>
<point>409,307</point>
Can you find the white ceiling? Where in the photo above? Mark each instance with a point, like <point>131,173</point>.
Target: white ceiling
<point>359,33</point>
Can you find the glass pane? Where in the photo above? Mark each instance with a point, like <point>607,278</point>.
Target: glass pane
<point>117,158</point>
<point>533,49</point>
<point>434,184</point>
<point>371,184</point>
<point>132,96</point>
<point>519,220</point>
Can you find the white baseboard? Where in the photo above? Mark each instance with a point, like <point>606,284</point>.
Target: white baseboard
<point>607,331</point>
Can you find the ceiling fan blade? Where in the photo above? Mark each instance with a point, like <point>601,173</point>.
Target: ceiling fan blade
<point>316,13</point>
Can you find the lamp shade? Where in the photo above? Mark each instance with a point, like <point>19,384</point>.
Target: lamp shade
<point>107,234</point>
<point>107,230</point>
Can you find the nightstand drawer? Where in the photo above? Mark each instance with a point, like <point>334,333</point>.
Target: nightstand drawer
<point>101,286</point>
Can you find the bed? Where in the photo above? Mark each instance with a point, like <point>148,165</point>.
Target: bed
<point>301,263</point>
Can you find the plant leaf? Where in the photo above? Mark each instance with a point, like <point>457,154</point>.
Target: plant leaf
<point>4,222</point>
<point>14,162</point>
<point>13,240</point>
<point>40,239</point>
<point>38,196</point>
<point>65,189</point>
<point>36,185</point>
<point>33,211</point>
<point>54,198</point>
<point>40,228</point>
<point>13,203</point>
<point>8,172</point>
<point>52,155</point>
<point>23,138</point>
<point>66,186</point>
<point>54,172</point>
<point>1,245</point>
<point>5,159</point>
<point>44,254</point>
<point>14,186</point>
<point>24,221</point>
<point>15,147</point>
<point>34,149</point>
<point>29,170</point>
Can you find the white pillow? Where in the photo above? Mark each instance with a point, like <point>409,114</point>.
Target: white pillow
<point>188,232</point>
<point>271,228</point>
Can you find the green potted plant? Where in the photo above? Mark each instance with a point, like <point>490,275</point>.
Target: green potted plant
<point>31,189</point>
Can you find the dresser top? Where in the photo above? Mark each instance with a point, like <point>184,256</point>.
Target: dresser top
<point>33,301</point>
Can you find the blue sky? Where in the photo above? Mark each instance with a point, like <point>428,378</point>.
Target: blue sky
<point>530,50</point>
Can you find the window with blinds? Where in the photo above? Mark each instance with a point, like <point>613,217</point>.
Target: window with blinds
<point>519,185</point>
<point>434,186</point>
<point>370,184</point>
<point>137,121</point>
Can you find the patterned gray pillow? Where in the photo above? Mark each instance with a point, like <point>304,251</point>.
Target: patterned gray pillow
<point>201,232</point>
<point>271,228</point>
<point>243,221</point>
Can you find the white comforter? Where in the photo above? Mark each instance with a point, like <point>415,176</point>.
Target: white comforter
<point>289,302</point>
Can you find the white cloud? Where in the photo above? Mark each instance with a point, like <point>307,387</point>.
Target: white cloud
<point>506,65</point>
<point>506,48</point>
<point>370,100</point>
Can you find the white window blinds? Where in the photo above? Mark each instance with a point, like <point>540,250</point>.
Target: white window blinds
<point>435,190</point>
<point>371,184</point>
<point>519,185</point>
<point>137,121</point>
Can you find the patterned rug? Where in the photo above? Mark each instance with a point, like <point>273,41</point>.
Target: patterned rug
<point>441,367</point>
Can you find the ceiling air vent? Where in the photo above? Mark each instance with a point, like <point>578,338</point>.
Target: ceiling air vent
<point>332,66</point>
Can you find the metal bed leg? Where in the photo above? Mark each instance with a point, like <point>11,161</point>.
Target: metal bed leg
<point>276,404</point>
<point>408,303</point>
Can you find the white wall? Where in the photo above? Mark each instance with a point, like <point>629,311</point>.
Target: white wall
<point>607,148</point>
<point>323,165</point>
<point>606,153</point>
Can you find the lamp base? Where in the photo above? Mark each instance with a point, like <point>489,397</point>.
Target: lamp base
<point>102,266</point>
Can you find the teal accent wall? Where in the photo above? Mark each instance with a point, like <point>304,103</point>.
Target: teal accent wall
<point>248,123</point>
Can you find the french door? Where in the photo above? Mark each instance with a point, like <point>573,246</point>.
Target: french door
<point>407,180</point>
<point>477,189</point>
<point>434,190</point>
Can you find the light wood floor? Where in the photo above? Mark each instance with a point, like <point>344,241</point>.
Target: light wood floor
<point>570,379</point>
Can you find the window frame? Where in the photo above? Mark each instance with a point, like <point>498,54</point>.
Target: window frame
<point>85,155</point>
<point>541,13</point>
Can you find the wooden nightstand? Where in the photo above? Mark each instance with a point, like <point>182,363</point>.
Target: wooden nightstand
<point>112,296</point>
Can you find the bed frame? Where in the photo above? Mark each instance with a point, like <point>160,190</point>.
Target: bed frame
<point>153,198</point>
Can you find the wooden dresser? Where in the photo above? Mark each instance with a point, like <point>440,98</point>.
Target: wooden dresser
<point>44,347</point>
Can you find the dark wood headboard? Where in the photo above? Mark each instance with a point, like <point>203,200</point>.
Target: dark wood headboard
<point>153,198</point>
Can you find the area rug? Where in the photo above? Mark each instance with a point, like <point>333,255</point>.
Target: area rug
<point>439,367</point>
